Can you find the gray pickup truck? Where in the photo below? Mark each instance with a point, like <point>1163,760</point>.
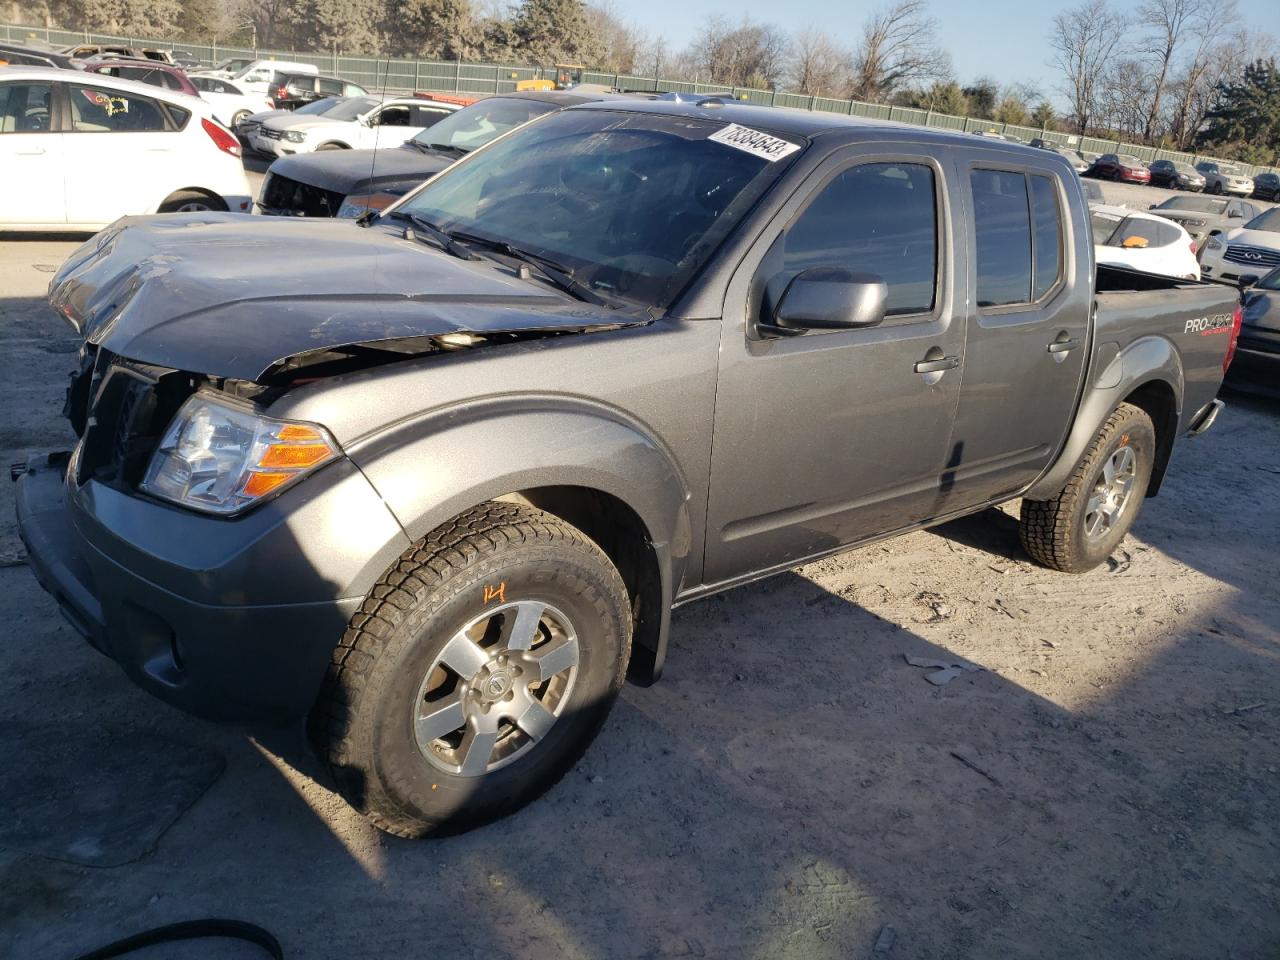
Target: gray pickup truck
<point>436,478</point>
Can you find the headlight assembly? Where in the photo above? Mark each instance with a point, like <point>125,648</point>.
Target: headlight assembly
<point>222,459</point>
<point>358,204</point>
<point>295,136</point>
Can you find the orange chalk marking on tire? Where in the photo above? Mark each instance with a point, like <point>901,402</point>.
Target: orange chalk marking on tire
<point>498,593</point>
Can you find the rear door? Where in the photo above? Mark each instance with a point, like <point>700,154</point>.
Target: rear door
<point>1028,328</point>
<point>835,436</point>
<point>119,147</point>
<point>31,186</point>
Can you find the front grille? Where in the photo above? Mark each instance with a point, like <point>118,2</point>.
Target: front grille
<point>271,133</point>
<point>281,195</point>
<point>1251,256</point>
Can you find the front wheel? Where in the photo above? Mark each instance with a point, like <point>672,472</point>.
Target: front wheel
<point>476,673</point>
<point>1079,528</point>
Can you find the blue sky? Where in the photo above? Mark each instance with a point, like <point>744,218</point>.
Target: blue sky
<point>1005,39</point>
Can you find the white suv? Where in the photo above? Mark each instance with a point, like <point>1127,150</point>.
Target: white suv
<point>1224,178</point>
<point>81,150</point>
<point>358,123</point>
<point>1250,250</point>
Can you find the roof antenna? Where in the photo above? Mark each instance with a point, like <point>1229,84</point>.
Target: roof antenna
<point>366,219</point>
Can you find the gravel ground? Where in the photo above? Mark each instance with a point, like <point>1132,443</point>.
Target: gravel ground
<point>1106,786</point>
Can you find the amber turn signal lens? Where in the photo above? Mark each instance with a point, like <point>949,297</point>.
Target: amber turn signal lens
<point>294,456</point>
<point>263,483</point>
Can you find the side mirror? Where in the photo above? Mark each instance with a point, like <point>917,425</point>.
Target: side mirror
<point>828,298</point>
<point>1246,281</point>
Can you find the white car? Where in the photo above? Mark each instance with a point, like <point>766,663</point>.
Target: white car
<point>359,123</point>
<point>81,150</point>
<point>231,105</point>
<point>1250,250</point>
<point>248,127</point>
<point>1141,241</point>
<point>258,76</point>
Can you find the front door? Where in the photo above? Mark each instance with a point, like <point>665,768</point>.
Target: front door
<point>31,188</point>
<point>833,437</point>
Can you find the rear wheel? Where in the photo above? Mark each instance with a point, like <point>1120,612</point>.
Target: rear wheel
<point>476,673</point>
<point>1079,528</point>
<point>190,201</point>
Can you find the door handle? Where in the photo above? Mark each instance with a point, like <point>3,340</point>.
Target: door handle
<point>1062,346</point>
<point>936,366</point>
<point>34,152</point>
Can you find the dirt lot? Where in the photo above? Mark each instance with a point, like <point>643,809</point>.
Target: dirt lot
<point>1108,785</point>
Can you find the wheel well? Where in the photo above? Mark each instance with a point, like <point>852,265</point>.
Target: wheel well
<point>186,191</point>
<point>623,536</point>
<point>1157,399</point>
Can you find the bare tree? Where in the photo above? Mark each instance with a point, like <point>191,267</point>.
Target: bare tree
<point>1190,89</point>
<point>749,55</point>
<point>1124,103</point>
<point>1084,41</point>
<point>898,48</point>
<point>622,44</point>
<point>818,65</point>
<point>1169,22</point>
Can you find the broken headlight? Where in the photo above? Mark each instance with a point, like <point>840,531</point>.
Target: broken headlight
<point>223,459</point>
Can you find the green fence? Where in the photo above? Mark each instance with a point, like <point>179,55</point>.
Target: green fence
<point>453,76</point>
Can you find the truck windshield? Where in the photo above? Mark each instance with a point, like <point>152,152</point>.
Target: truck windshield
<point>631,204</point>
<point>476,125</point>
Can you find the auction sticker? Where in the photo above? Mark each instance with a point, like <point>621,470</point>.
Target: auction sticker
<point>754,142</point>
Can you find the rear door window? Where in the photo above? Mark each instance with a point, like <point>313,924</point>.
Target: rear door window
<point>1018,237</point>
<point>25,107</point>
<point>878,218</point>
<point>98,110</point>
<point>329,88</point>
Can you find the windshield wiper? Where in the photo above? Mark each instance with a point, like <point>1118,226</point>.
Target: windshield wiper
<point>560,275</point>
<point>447,243</point>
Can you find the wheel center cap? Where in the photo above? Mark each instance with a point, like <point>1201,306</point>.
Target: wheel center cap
<point>496,683</point>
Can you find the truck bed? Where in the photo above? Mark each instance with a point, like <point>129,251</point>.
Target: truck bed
<point>1194,317</point>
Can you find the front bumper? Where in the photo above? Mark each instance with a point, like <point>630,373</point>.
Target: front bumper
<point>224,621</point>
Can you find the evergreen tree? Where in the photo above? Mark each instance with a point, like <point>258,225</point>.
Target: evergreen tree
<point>439,29</point>
<point>552,31</point>
<point>1246,115</point>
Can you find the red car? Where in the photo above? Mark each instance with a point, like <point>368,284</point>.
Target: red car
<point>1112,166</point>
<point>146,71</point>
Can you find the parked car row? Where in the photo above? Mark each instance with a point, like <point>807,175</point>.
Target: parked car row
<point>237,87</point>
<point>1207,176</point>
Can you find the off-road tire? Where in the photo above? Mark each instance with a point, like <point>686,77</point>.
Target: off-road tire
<point>1053,531</point>
<point>362,721</point>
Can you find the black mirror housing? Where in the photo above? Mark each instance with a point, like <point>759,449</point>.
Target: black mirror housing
<point>829,298</point>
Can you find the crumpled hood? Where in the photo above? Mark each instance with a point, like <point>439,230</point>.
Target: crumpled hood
<point>232,295</point>
<point>342,171</point>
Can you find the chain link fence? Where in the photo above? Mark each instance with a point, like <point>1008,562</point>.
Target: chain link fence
<point>456,76</point>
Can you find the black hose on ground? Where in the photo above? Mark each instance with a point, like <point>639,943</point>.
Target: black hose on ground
<point>190,930</point>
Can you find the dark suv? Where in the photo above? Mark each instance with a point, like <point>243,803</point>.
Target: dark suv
<point>1266,186</point>
<point>293,90</point>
